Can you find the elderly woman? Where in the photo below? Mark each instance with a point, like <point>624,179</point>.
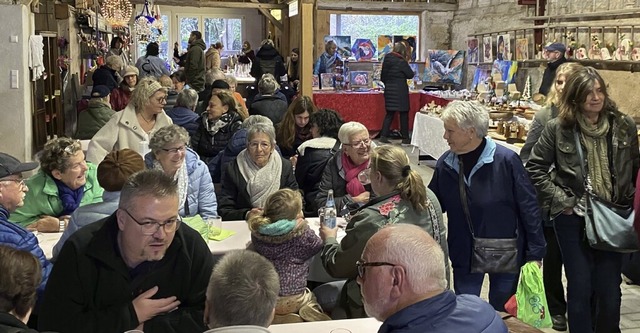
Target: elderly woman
<point>216,126</point>
<point>609,141</point>
<point>132,127</point>
<point>254,175</point>
<point>342,170</point>
<point>121,96</point>
<point>295,128</point>
<point>169,153</point>
<point>314,154</point>
<point>179,80</point>
<point>474,163</point>
<point>18,282</point>
<point>63,183</point>
<point>401,197</point>
<point>183,113</point>
<point>267,103</point>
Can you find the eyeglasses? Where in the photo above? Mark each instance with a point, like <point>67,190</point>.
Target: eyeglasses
<point>361,264</point>
<point>161,99</point>
<point>19,181</point>
<point>174,151</point>
<point>150,228</point>
<point>357,144</point>
<point>263,145</point>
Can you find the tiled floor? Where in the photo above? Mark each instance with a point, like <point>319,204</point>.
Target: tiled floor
<point>630,310</point>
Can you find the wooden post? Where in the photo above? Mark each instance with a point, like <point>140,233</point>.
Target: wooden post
<point>306,47</point>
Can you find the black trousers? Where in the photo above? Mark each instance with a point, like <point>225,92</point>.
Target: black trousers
<point>552,274</point>
<point>404,124</point>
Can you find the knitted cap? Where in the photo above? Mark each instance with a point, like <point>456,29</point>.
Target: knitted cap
<point>129,70</point>
<point>147,87</point>
<point>116,168</point>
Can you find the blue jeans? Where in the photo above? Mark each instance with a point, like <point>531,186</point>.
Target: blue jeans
<point>501,286</point>
<point>593,279</point>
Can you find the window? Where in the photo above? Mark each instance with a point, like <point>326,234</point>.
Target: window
<point>371,26</point>
<point>227,30</point>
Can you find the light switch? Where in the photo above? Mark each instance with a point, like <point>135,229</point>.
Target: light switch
<point>14,79</point>
<point>14,39</point>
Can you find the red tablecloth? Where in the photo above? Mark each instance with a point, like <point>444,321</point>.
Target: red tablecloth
<point>368,107</point>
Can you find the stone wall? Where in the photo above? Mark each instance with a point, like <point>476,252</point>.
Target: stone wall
<point>477,16</point>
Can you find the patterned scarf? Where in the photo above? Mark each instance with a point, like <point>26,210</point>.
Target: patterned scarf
<point>594,139</point>
<point>181,177</point>
<point>213,126</point>
<point>261,182</point>
<point>351,171</point>
<point>70,198</point>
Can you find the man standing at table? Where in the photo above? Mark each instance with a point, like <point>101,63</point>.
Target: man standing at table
<point>12,193</point>
<point>242,293</point>
<point>403,284</point>
<point>137,269</point>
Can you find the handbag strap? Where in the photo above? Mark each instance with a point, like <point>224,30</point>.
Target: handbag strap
<point>583,167</point>
<point>463,196</point>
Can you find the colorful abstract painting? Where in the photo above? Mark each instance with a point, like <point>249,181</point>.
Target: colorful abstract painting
<point>359,79</point>
<point>343,43</point>
<point>487,49</point>
<point>503,49</point>
<point>507,69</point>
<point>522,49</point>
<point>473,55</point>
<point>444,66</point>
<point>363,49</point>
<point>416,74</point>
<point>480,76</point>
<point>385,45</point>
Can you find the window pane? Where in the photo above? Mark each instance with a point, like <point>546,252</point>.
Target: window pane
<point>228,31</point>
<point>187,25</point>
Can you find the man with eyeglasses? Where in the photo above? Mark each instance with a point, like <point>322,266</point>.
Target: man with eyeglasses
<point>136,269</point>
<point>12,194</point>
<point>403,284</point>
<point>554,53</point>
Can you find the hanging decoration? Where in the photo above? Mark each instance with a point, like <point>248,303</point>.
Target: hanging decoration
<point>117,12</point>
<point>142,25</point>
<point>158,23</point>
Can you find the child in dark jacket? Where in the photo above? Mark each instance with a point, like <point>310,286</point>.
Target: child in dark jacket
<point>282,235</point>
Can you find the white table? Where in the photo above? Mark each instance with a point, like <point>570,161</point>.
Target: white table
<point>428,132</point>
<point>47,241</point>
<point>363,325</point>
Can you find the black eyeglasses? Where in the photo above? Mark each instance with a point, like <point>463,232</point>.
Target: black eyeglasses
<point>173,151</point>
<point>361,264</point>
<point>150,228</point>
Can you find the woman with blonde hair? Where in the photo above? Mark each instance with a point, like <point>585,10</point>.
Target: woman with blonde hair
<point>295,128</point>
<point>401,197</point>
<point>281,234</point>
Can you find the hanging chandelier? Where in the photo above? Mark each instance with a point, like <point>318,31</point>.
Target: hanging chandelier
<point>143,23</point>
<point>117,12</point>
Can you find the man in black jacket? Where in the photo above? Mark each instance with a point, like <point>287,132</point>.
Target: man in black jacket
<point>554,53</point>
<point>136,269</point>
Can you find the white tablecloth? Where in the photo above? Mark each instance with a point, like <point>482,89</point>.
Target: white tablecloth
<point>364,325</point>
<point>428,132</point>
<point>48,241</point>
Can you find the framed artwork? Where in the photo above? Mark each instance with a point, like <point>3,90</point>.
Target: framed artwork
<point>363,50</point>
<point>326,81</point>
<point>315,82</point>
<point>444,66</point>
<point>480,76</point>
<point>487,49</point>
<point>522,49</point>
<point>503,48</point>
<point>473,55</point>
<point>385,45</point>
<point>505,69</point>
<point>376,71</point>
<point>343,43</point>
<point>360,79</point>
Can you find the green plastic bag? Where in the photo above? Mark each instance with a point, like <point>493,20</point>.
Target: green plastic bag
<point>532,302</point>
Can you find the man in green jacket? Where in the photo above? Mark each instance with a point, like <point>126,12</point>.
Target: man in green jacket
<point>194,67</point>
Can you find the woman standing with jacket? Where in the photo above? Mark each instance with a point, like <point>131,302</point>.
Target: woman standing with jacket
<point>609,143</point>
<point>395,73</point>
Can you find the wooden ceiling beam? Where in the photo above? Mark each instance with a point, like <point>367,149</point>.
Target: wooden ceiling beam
<point>214,4</point>
<point>270,17</point>
<point>382,6</point>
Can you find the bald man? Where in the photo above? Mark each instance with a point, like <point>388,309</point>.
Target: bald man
<point>403,284</point>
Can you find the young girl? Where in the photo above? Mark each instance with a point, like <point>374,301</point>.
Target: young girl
<point>282,235</point>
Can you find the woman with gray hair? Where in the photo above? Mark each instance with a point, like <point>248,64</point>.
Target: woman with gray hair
<point>268,104</point>
<point>170,154</point>
<point>257,172</point>
<point>501,200</point>
<point>132,127</point>
<point>183,113</point>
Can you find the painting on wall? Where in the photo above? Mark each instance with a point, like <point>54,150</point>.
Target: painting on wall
<point>444,66</point>
<point>411,40</point>
<point>363,49</point>
<point>480,76</point>
<point>343,43</point>
<point>385,45</point>
<point>472,51</point>
<point>522,49</point>
<point>359,79</point>
<point>507,70</point>
<point>503,49</point>
<point>487,49</point>
<point>416,74</point>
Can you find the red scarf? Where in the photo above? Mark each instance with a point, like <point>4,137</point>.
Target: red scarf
<point>351,171</point>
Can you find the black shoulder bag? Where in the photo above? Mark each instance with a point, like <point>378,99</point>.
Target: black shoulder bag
<point>609,226</point>
<point>488,255</point>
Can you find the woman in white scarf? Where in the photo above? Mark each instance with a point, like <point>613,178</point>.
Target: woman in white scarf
<point>256,173</point>
<point>170,154</point>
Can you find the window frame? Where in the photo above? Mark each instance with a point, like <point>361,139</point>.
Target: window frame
<point>201,19</point>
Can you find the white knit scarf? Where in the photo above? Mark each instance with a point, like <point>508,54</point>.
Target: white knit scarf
<point>260,181</point>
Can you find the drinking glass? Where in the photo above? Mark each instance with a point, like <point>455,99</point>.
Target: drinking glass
<point>214,226</point>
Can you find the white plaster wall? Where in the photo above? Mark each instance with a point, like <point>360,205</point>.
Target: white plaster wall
<point>15,110</point>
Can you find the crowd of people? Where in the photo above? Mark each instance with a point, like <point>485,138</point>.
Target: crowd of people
<point>127,258</point>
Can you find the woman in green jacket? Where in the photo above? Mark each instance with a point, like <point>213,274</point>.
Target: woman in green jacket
<point>64,183</point>
<point>401,197</point>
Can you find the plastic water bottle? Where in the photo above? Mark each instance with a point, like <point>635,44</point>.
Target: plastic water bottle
<point>330,214</point>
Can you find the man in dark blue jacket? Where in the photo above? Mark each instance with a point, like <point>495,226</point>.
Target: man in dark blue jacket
<point>403,283</point>
<point>12,192</point>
